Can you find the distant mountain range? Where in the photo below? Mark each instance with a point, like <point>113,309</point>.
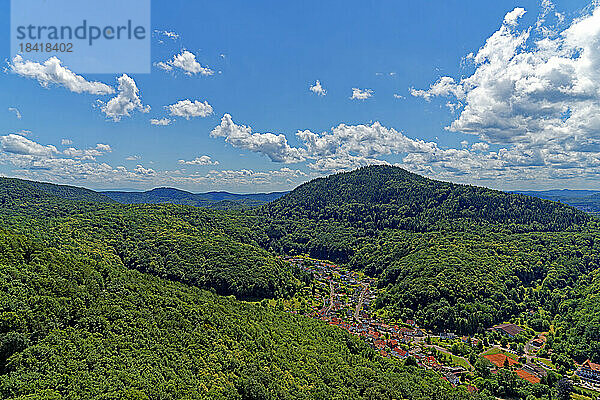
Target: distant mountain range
<point>219,200</point>
<point>216,200</point>
<point>584,200</point>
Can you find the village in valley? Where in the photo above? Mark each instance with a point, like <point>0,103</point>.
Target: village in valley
<point>345,298</point>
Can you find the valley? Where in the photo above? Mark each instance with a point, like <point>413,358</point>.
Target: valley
<point>376,283</point>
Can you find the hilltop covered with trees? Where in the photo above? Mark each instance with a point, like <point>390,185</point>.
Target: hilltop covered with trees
<point>383,197</point>
<point>454,257</point>
<point>205,248</point>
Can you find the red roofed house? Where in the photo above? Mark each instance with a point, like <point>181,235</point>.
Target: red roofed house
<point>400,352</point>
<point>499,360</point>
<point>527,376</point>
<point>589,371</point>
<point>433,362</point>
<point>374,333</point>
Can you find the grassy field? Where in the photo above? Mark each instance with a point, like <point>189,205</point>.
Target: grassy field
<point>546,362</point>
<point>458,361</point>
<point>441,342</point>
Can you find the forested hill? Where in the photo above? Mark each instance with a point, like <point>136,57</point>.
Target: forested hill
<point>379,197</point>
<point>19,189</point>
<point>202,247</point>
<point>584,200</point>
<point>453,257</point>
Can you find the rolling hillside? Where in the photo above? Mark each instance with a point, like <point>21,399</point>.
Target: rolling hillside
<point>74,323</point>
<point>21,189</point>
<point>453,257</point>
<point>84,277</point>
<point>380,197</point>
<point>101,300</point>
<point>202,247</point>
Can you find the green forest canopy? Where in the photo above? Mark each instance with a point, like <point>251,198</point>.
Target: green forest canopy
<point>102,300</point>
<point>454,257</point>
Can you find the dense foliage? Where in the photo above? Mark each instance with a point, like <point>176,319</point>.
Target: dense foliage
<point>39,189</point>
<point>382,197</point>
<point>75,324</point>
<point>468,281</point>
<point>453,257</point>
<point>585,200</point>
<point>205,248</point>
<point>122,284</point>
<point>579,320</point>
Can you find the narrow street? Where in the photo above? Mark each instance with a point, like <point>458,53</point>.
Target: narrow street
<point>360,303</point>
<point>331,296</point>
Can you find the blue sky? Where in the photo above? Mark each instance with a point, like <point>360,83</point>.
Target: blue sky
<point>264,56</point>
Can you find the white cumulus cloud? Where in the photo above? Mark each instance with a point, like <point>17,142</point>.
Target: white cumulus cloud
<point>160,122</point>
<point>202,160</point>
<point>512,18</point>
<point>17,144</point>
<point>186,61</point>
<point>126,101</point>
<point>536,93</point>
<point>274,146</point>
<point>361,94</point>
<point>349,146</point>
<point>51,72</point>
<point>318,89</point>
<point>445,86</point>
<point>189,109</point>
<point>87,154</point>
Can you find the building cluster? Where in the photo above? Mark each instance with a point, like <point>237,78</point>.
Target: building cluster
<point>348,305</point>
<point>346,300</point>
<point>589,371</point>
